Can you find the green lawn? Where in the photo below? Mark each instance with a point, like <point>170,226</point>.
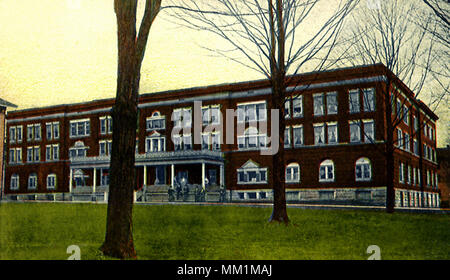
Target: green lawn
<point>44,231</point>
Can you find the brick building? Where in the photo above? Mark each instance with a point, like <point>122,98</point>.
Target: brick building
<point>443,156</point>
<point>335,138</point>
<point>3,105</point>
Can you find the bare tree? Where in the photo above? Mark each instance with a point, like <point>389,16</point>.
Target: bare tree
<point>269,37</point>
<point>387,34</point>
<point>131,49</point>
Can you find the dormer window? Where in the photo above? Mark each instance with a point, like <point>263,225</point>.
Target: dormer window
<point>156,122</point>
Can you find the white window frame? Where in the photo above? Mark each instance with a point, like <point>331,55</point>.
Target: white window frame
<point>372,135</point>
<point>316,97</point>
<point>32,181</point>
<point>329,95</point>
<point>105,123</point>
<point>363,163</point>
<point>86,123</point>
<point>316,127</point>
<point>15,182</point>
<point>330,125</point>
<point>356,124</point>
<point>354,106</point>
<point>244,108</point>
<point>161,146</point>
<point>155,117</point>
<point>258,171</point>
<point>327,164</point>
<point>51,181</point>
<point>297,102</point>
<point>290,176</point>
<point>300,128</point>
<point>369,107</point>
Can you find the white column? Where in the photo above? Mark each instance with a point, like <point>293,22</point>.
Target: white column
<point>94,185</point>
<point>222,175</point>
<point>203,175</point>
<point>70,180</point>
<point>145,176</point>
<point>172,175</point>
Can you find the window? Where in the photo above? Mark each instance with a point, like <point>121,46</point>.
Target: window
<point>287,137</point>
<point>51,181</point>
<point>287,108</point>
<point>32,181</point>
<point>52,130</point>
<point>34,132</point>
<point>332,104</point>
<point>37,154</point>
<point>211,114</point>
<point>52,152</point>
<point>252,112</point>
<point>416,147</point>
<point>14,184</point>
<point>182,117</point>
<point>211,141</point>
<point>297,106</point>
<point>298,135</point>
<point>363,170</point>
<point>251,173</point>
<point>156,143</point>
<point>408,174</point>
<point>15,155</point>
<point>326,171</point>
<point>293,173</point>
<point>319,134</point>
<point>104,177</point>
<point>400,173</point>
<point>355,132</point>
<point>354,101</point>
<point>15,134</point>
<point>369,99</point>
<point>252,139</point>
<point>80,128</point>
<point>156,121</point>
<point>399,138</point>
<point>332,133</point>
<point>105,147</point>
<point>318,104</point>
<point>414,176</point>
<point>369,131</point>
<point>106,126</point>
<point>405,115</point>
<point>78,150</point>
<point>406,142</point>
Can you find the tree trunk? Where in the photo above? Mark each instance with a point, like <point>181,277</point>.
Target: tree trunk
<point>278,81</point>
<point>279,213</point>
<point>119,235</point>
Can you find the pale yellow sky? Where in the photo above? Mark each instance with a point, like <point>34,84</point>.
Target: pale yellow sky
<point>64,51</point>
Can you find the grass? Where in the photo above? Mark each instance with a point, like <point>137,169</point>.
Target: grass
<point>44,231</point>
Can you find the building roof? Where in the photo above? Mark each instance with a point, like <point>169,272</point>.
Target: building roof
<point>5,103</point>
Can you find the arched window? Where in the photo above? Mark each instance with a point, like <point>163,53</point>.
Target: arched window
<point>78,150</point>
<point>363,170</point>
<point>293,173</point>
<point>326,171</point>
<point>155,122</point>
<point>32,181</point>
<point>51,181</point>
<point>14,185</point>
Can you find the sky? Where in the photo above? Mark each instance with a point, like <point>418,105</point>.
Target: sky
<point>65,51</point>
